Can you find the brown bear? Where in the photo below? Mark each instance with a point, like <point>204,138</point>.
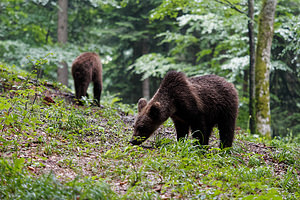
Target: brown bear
<point>87,67</point>
<point>197,103</point>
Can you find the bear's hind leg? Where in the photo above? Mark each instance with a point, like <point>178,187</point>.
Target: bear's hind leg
<point>80,90</point>
<point>97,91</point>
<point>226,131</point>
<point>182,129</point>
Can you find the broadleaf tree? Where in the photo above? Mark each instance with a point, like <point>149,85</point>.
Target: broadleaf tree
<point>62,37</point>
<point>263,67</point>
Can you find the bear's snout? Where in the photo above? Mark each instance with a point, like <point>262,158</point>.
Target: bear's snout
<point>136,140</point>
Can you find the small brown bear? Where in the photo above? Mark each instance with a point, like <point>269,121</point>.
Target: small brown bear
<point>197,103</point>
<point>87,68</point>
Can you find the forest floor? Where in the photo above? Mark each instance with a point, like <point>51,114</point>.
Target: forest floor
<point>47,140</point>
<point>53,163</point>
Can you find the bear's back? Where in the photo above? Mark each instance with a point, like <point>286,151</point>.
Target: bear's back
<point>212,84</point>
<point>208,80</point>
<point>87,59</point>
<point>215,92</point>
<point>86,66</point>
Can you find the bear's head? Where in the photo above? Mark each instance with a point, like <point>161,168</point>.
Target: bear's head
<point>149,118</point>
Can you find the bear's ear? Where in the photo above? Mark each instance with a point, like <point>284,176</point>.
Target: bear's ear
<point>141,104</point>
<point>155,110</point>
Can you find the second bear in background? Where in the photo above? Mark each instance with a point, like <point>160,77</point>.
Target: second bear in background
<point>87,68</point>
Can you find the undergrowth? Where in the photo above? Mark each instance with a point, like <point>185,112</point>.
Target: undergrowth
<point>56,150</point>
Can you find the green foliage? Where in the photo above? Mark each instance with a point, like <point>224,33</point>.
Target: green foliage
<point>284,122</point>
<point>153,65</point>
<point>16,183</point>
<point>216,40</point>
<point>22,55</point>
<point>285,82</point>
<point>30,20</point>
<point>243,119</point>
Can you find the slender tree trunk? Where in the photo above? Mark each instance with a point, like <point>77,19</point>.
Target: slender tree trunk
<point>262,67</point>
<point>62,37</point>
<point>246,83</point>
<point>146,82</point>
<point>251,67</point>
<point>146,88</point>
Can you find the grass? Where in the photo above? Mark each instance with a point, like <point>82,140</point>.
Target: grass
<point>61,151</point>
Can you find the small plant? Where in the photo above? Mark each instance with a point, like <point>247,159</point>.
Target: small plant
<point>291,181</point>
<point>255,160</point>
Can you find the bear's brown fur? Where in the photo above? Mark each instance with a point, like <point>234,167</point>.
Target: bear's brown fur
<point>197,103</point>
<point>87,68</point>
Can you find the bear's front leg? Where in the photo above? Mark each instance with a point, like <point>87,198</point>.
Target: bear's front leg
<point>182,129</point>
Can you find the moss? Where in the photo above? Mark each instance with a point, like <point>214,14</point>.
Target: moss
<point>262,88</point>
<point>262,96</point>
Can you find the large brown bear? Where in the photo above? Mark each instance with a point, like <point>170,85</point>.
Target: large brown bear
<point>87,68</point>
<point>197,103</point>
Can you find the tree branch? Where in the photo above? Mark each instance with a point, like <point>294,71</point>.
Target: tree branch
<point>232,6</point>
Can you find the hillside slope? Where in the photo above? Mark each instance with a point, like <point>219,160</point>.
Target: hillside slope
<point>51,148</point>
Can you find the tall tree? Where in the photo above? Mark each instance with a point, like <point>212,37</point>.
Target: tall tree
<point>62,37</point>
<point>146,82</point>
<point>131,35</point>
<point>262,67</point>
<point>251,66</point>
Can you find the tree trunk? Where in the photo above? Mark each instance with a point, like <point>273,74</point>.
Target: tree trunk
<point>62,37</point>
<point>146,82</point>
<point>262,67</point>
<point>251,67</point>
<point>245,83</point>
<point>146,89</point>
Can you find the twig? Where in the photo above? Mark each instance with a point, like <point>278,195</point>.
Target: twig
<point>228,3</point>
